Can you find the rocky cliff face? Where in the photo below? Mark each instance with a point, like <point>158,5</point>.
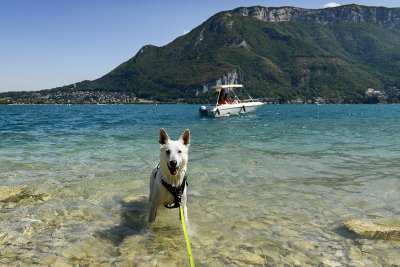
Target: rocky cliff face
<point>385,17</point>
<point>233,77</point>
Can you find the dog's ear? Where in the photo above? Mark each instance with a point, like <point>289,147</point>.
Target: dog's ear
<point>185,138</point>
<point>163,139</point>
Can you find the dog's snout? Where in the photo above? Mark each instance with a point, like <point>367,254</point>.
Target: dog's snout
<point>173,163</point>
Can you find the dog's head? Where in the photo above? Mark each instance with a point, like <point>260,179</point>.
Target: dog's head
<point>174,154</point>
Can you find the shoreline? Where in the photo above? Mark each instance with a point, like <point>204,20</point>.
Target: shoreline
<point>174,103</point>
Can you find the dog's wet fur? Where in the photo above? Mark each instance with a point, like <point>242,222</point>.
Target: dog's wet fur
<point>172,169</point>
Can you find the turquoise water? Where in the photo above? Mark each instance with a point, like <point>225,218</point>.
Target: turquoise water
<point>269,189</point>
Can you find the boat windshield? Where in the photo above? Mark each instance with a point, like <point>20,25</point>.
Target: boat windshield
<point>226,97</point>
<point>226,94</point>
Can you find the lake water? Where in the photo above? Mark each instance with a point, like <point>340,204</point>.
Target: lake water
<point>269,189</point>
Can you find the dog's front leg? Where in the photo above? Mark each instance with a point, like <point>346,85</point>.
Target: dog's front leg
<point>185,213</point>
<point>184,198</point>
<point>152,213</point>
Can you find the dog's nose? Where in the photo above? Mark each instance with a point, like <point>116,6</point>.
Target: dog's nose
<point>173,163</point>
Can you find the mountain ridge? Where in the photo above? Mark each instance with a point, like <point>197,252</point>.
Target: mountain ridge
<point>386,17</point>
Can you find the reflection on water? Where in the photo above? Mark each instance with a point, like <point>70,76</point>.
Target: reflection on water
<point>270,189</point>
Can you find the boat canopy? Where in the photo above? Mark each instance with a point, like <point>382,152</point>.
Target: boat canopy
<point>226,86</point>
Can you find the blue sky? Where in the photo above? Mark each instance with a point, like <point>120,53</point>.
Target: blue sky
<point>50,43</point>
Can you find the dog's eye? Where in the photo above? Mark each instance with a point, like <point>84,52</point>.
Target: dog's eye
<point>179,151</point>
<point>168,151</point>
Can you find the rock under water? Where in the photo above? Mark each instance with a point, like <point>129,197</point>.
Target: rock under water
<point>16,194</point>
<point>374,230</point>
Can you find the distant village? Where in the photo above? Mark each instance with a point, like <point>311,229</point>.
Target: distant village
<point>72,97</point>
<point>107,97</point>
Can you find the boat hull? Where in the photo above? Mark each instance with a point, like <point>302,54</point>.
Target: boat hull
<point>229,109</point>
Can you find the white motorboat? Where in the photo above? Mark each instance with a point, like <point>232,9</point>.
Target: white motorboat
<point>228,103</point>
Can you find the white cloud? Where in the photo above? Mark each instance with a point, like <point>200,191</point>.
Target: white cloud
<point>331,4</point>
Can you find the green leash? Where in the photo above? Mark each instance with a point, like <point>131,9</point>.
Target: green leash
<point>187,238</point>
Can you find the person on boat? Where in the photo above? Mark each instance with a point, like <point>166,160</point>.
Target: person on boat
<point>222,98</point>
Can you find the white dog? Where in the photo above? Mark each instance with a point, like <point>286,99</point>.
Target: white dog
<point>168,183</point>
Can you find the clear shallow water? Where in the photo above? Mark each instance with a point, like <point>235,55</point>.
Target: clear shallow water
<point>272,189</point>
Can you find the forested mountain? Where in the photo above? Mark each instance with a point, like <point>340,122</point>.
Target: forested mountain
<point>281,54</point>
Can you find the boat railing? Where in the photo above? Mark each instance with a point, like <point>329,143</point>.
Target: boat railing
<point>252,100</point>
